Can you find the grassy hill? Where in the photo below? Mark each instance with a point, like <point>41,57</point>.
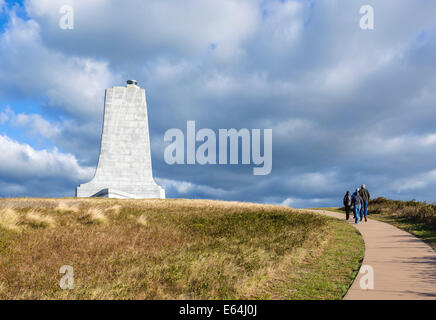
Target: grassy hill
<point>173,249</point>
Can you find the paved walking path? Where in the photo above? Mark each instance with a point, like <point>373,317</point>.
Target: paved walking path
<point>404,266</point>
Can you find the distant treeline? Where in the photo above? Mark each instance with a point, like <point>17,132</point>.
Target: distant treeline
<point>415,211</point>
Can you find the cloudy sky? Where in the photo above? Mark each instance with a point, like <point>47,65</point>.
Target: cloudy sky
<point>347,106</point>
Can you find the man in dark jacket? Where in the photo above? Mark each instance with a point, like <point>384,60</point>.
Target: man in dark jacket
<point>364,194</point>
<point>347,204</point>
<point>356,201</point>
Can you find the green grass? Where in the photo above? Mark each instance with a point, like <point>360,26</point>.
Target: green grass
<point>325,279</point>
<point>173,249</point>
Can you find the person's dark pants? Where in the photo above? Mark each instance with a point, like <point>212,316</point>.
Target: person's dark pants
<point>347,212</point>
<point>365,208</point>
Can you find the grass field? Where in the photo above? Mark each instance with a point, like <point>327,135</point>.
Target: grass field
<point>173,249</point>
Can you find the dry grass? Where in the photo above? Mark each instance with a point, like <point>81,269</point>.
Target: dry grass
<point>68,206</point>
<point>38,220</point>
<point>94,215</point>
<point>9,219</point>
<point>142,220</point>
<point>415,211</point>
<point>171,249</point>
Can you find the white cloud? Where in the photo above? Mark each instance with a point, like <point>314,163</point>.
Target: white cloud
<point>46,169</point>
<point>429,139</point>
<point>417,182</point>
<point>78,137</point>
<point>190,27</point>
<point>306,203</point>
<point>318,182</point>
<point>284,20</point>
<point>35,124</point>
<point>288,128</point>
<point>375,144</point>
<point>288,202</point>
<point>4,117</point>
<point>72,84</point>
<point>184,188</point>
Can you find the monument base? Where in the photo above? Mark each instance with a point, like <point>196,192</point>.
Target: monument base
<point>146,192</point>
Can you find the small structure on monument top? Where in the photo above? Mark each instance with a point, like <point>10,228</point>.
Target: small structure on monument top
<point>124,165</point>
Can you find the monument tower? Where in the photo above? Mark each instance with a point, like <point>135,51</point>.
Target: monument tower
<point>124,165</point>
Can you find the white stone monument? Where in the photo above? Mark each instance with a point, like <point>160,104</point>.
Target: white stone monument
<point>124,166</point>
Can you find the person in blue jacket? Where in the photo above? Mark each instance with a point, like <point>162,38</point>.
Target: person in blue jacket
<point>356,201</point>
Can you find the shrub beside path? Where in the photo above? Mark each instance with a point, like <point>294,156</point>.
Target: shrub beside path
<point>404,266</point>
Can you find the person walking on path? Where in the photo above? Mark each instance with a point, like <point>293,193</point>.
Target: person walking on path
<point>347,204</point>
<point>356,201</point>
<point>364,194</point>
